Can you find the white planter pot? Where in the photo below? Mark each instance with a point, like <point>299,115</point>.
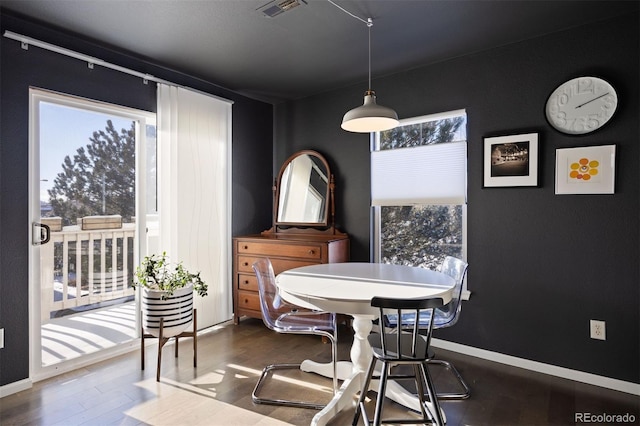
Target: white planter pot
<point>176,311</point>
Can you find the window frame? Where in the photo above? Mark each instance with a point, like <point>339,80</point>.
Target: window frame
<point>376,209</point>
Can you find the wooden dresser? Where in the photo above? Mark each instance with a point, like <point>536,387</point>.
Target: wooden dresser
<point>286,251</point>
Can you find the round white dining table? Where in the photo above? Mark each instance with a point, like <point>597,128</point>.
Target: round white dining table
<point>348,288</point>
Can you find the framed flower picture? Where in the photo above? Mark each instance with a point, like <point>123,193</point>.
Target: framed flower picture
<point>589,170</point>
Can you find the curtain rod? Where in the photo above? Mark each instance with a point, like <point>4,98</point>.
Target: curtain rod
<point>91,61</point>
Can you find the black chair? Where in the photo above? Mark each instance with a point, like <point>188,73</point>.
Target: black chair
<point>445,316</point>
<point>402,347</point>
<point>283,317</point>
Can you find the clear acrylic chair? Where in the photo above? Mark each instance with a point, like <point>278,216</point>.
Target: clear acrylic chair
<point>392,348</point>
<point>283,317</point>
<point>445,316</point>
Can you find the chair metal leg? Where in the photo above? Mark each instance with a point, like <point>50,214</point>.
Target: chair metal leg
<point>300,404</point>
<point>437,413</point>
<point>452,395</point>
<point>265,373</point>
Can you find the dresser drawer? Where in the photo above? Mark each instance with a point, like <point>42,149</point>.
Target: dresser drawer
<point>247,282</point>
<point>299,251</point>
<point>248,300</point>
<point>245,263</point>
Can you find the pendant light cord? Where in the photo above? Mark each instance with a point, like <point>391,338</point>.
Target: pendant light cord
<point>369,23</point>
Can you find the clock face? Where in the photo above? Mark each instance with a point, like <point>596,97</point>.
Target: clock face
<point>581,105</point>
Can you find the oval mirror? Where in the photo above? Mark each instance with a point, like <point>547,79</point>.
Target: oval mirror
<point>302,196</point>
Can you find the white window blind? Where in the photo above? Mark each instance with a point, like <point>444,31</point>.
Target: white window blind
<point>433,174</point>
<point>426,174</point>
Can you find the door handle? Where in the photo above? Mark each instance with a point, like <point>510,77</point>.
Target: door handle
<point>41,234</point>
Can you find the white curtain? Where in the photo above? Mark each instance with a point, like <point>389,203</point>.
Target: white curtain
<point>194,192</point>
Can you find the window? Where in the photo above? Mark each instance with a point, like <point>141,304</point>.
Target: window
<point>418,190</point>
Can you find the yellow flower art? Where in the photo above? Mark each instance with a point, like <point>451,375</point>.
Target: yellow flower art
<point>584,169</point>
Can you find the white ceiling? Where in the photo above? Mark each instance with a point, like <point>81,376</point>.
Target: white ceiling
<point>313,47</point>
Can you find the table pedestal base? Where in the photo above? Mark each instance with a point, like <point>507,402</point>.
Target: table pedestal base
<point>345,368</point>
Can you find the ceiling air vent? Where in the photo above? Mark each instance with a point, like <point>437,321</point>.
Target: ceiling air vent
<point>276,7</point>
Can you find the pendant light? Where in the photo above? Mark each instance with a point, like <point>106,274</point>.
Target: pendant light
<point>370,117</point>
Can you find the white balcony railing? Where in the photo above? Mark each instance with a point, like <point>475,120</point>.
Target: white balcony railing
<point>81,267</point>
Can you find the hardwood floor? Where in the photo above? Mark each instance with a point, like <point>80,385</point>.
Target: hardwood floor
<point>230,358</point>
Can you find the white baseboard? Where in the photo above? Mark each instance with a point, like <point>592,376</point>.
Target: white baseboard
<point>566,373</point>
<point>15,387</point>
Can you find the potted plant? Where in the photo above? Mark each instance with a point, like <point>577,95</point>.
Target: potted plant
<point>167,294</point>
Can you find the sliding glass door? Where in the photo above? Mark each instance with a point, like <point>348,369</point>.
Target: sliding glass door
<point>92,182</point>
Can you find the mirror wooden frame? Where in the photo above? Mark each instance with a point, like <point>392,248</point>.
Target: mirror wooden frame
<point>329,208</point>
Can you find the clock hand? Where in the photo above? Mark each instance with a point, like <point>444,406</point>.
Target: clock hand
<point>594,99</point>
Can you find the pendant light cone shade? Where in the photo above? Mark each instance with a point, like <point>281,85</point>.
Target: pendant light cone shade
<point>370,117</point>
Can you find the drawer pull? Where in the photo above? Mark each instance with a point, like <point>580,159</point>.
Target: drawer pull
<point>246,282</point>
<point>246,301</point>
<point>245,247</point>
<point>312,252</point>
<point>246,263</point>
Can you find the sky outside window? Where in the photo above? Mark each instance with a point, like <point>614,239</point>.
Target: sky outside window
<point>62,131</point>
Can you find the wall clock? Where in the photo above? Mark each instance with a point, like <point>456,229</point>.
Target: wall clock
<point>581,105</point>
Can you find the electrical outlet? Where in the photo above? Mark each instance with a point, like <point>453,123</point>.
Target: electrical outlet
<point>1,338</point>
<point>598,330</point>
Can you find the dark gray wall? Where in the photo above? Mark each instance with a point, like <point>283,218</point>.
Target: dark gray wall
<point>20,69</point>
<point>541,265</point>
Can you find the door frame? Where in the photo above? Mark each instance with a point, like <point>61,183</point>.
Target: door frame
<point>142,118</point>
